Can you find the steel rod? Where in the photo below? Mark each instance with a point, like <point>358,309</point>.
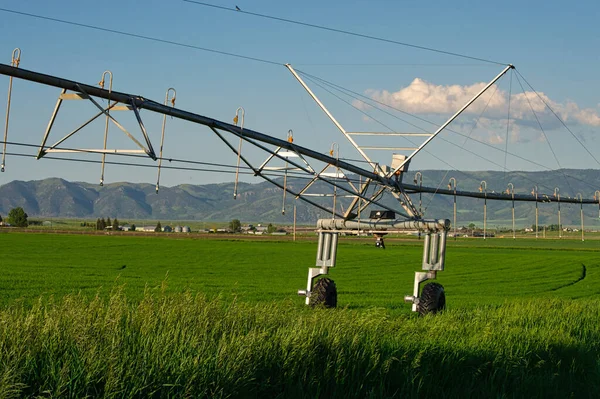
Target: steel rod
<point>335,122</point>
<point>16,60</point>
<point>452,118</point>
<point>10,84</point>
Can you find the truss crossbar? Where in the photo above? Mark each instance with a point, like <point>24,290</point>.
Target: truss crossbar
<point>395,134</point>
<point>389,148</point>
<point>99,151</point>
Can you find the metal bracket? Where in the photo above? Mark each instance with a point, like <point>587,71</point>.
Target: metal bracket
<point>434,251</point>
<point>327,249</point>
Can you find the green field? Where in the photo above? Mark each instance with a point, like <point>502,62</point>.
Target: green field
<point>478,272</point>
<point>118,316</point>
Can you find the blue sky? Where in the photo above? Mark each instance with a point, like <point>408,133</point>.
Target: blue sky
<point>552,44</point>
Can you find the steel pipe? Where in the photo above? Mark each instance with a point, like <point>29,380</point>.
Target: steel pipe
<point>423,224</point>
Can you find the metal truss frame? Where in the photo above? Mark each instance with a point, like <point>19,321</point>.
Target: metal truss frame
<point>81,94</point>
<point>375,176</point>
<point>400,162</point>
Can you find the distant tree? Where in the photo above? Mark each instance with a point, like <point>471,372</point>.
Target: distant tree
<point>132,228</point>
<point>115,224</point>
<point>0,218</point>
<point>102,224</point>
<point>235,225</point>
<point>271,228</point>
<point>158,228</point>
<point>98,224</point>
<point>108,223</point>
<point>17,217</point>
<point>471,226</point>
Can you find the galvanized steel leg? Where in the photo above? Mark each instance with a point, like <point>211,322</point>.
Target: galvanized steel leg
<point>326,257</point>
<point>434,258</point>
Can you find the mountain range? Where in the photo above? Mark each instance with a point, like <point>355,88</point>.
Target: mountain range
<point>263,202</point>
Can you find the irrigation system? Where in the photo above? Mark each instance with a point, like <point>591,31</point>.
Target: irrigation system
<point>284,158</point>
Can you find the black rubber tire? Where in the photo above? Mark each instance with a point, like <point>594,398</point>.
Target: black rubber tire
<point>432,300</point>
<point>324,294</point>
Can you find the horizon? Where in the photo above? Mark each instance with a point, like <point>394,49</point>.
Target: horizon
<point>262,181</point>
<point>217,206</point>
<point>469,180</point>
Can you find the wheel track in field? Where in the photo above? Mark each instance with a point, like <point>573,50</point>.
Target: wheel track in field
<point>581,277</point>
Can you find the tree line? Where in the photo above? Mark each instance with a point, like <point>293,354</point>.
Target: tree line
<point>102,224</point>
<point>16,217</point>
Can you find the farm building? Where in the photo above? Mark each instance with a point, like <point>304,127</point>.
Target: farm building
<point>261,229</point>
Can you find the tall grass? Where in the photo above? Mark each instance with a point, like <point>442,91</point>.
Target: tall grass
<point>180,345</point>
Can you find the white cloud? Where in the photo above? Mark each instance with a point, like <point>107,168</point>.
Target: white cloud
<point>422,97</point>
<point>587,116</point>
<point>494,131</point>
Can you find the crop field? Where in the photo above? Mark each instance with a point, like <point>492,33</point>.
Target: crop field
<point>122,316</point>
<point>478,272</point>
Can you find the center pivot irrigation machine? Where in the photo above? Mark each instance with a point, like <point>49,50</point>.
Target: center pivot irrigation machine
<point>364,185</point>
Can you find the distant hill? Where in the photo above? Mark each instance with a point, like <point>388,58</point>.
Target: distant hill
<point>262,202</point>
